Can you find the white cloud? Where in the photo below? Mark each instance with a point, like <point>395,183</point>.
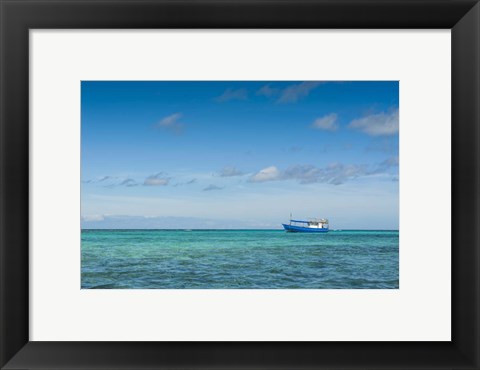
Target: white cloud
<point>156,180</point>
<point>267,174</point>
<point>232,94</point>
<point>294,92</point>
<point>172,123</point>
<point>327,123</point>
<point>382,124</point>
<point>230,171</point>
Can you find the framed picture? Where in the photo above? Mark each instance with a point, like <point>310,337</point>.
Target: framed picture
<point>214,222</point>
<point>239,184</point>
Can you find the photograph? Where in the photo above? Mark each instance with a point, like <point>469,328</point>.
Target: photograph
<point>239,184</point>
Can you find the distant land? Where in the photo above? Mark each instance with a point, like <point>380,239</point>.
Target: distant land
<point>165,222</point>
<point>140,222</point>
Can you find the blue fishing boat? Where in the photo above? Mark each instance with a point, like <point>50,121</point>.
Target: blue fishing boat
<point>311,226</point>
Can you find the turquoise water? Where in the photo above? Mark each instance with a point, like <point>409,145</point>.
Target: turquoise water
<point>239,259</point>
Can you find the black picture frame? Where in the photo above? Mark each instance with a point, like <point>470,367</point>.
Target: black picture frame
<point>17,17</point>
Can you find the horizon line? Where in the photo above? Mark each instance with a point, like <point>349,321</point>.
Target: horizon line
<point>224,229</point>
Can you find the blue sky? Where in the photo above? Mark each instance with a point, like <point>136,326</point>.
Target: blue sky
<point>241,154</point>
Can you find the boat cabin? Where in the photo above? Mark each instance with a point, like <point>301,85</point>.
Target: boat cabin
<point>313,224</point>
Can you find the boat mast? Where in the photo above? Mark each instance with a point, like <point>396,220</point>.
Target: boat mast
<point>290,218</point>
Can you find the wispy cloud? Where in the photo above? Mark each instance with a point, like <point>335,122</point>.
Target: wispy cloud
<point>267,174</point>
<point>129,182</point>
<point>171,123</point>
<point>113,181</point>
<point>104,179</point>
<point>293,93</point>
<point>267,91</point>
<point>289,94</point>
<point>230,171</point>
<point>381,124</point>
<point>327,123</point>
<point>335,173</point>
<point>212,187</point>
<point>158,179</point>
<point>192,181</point>
<point>305,174</point>
<point>386,165</point>
<point>384,145</point>
<point>232,94</point>
<point>113,221</point>
<point>293,149</point>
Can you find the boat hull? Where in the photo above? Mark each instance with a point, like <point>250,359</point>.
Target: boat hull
<point>300,229</point>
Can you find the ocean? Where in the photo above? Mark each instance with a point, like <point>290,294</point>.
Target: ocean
<point>238,259</point>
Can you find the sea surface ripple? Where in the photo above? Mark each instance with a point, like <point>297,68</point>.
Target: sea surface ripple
<point>239,259</point>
